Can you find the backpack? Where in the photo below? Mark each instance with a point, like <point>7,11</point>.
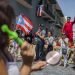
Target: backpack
<point>64,50</point>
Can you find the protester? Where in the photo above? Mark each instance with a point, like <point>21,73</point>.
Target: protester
<point>40,34</point>
<point>8,67</point>
<point>68,29</point>
<point>64,48</point>
<point>56,44</point>
<point>49,40</point>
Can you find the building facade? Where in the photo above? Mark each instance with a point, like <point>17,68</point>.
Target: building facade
<point>46,12</point>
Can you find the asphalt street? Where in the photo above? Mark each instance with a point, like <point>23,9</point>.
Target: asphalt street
<point>56,70</point>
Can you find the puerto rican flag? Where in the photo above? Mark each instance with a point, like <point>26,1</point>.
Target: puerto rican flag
<point>40,10</point>
<point>23,23</point>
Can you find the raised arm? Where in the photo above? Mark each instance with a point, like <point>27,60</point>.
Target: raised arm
<point>41,36</point>
<point>27,53</point>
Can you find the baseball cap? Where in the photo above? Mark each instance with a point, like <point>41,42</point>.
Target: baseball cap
<point>68,17</point>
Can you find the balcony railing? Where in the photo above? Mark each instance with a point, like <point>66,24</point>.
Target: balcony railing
<point>46,13</point>
<point>49,11</point>
<point>58,25</point>
<point>26,3</point>
<point>60,20</point>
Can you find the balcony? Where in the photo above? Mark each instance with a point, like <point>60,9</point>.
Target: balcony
<point>60,12</point>
<point>58,25</point>
<point>61,23</point>
<point>47,13</point>
<point>59,19</point>
<point>25,3</point>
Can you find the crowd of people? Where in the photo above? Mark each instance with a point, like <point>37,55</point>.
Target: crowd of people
<point>45,42</point>
<point>33,52</point>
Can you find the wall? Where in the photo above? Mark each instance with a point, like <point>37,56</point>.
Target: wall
<point>29,12</point>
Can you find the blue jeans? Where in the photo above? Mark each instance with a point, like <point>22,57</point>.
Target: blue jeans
<point>40,51</point>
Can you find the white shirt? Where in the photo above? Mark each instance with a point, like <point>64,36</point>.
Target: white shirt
<point>50,40</point>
